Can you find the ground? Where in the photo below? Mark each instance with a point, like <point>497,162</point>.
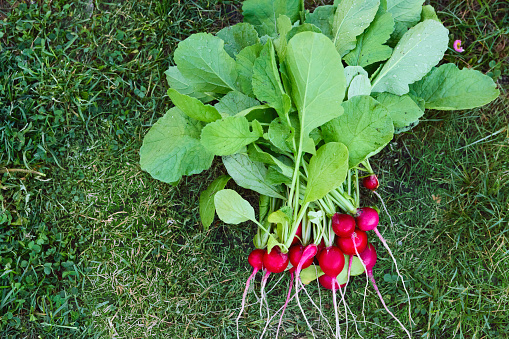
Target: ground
<point>98,248</point>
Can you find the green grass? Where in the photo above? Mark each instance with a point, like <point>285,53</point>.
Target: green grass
<point>100,249</point>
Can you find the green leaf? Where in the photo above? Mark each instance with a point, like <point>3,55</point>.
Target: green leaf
<point>177,81</point>
<point>322,18</point>
<point>421,48</point>
<point>207,207</point>
<point>402,109</point>
<point>317,79</point>
<point>275,176</point>
<point>280,217</point>
<point>306,27</point>
<point>263,206</point>
<point>244,66</point>
<point>406,12</point>
<point>284,26</point>
<point>360,85</point>
<point>227,136</point>
<point>356,269</point>
<point>370,46</point>
<point>365,128</point>
<point>235,102</point>
<point>257,154</point>
<point>448,88</point>
<point>326,171</point>
<point>238,37</point>
<point>250,175</point>
<point>273,242</point>
<point>310,274</point>
<point>353,71</point>
<point>267,83</point>
<point>352,17</point>
<point>201,58</point>
<point>428,13</point>
<point>263,14</point>
<point>172,148</point>
<point>279,133</point>
<point>193,107</point>
<point>231,208</point>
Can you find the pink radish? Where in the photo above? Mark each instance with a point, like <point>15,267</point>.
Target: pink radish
<point>332,261</point>
<point>367,218</point>
<point>298,235</point>
<point>275,261</point>
<point>371,182</point>
<point>368,257</point>
<point>326,282</point>
<point>255,259</point>
<point>357,241</point>
<point>343,225</point>
<point>295,254</point>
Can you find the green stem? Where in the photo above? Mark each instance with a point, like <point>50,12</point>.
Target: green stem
<point>366,164</point>
<point>357,190</point>
<point>303,210</point>
<point>343,202</point>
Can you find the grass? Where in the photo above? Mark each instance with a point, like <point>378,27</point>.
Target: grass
<point>98,248</point>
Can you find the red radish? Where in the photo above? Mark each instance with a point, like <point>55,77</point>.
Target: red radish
<point>326,282</point>
<point>368,257</point>
<point>343,225</point>
<point>331,261</point>
<point>320,246</point>
<point>255,259</point>
<point>275,261</point>
<point>295,254</point>
<point>371,182</point>
<point>298,235</point>
<point>367,218</point>
<point>358,240</point>
<point>302,257</point>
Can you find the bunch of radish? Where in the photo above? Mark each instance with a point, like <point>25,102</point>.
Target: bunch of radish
<point>296,103</point>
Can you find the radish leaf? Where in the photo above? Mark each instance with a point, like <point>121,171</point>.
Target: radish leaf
<point>193,107</point>
<point>352,17</point>
<point>228,136</point>
<point>402,109</point>
<point>201,58</point>
<point>172,148</point>
<point>322,18</point>
<point>235,102</point>
<point>267,83</point>
<point>244,66</point>
<point>263,14</point>
<point>421,48</point>
<point>237,37</point>
<point>365,128</point>
<point>326,171</point>
<point>448,88</point>
<point>207,207</point>
<point>185,86</point>
<point>250,174</point>
<point>317,79</point>
<point>370,46</point>
<point>231,208</point>
<point>360,85</point>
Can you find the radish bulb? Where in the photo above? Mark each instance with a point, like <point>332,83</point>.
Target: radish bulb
<point>255,259</point>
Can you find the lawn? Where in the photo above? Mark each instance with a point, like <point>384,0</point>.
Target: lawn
<point>96,247</point>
